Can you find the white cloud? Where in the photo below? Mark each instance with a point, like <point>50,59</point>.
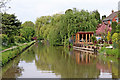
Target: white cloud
<point>31,9</point>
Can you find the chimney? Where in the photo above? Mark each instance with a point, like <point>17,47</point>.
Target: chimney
<point>112,11</point>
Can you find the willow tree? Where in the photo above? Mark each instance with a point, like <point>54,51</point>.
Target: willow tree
<point>59,28</point>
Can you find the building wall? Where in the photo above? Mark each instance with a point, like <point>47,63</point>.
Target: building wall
<point>114,19</point>
<point>108,21</point>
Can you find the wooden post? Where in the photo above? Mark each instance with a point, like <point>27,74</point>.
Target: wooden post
<point>92,35</point>
<point>78,38</point>
<point>86,38</point>
<point>89,38</point>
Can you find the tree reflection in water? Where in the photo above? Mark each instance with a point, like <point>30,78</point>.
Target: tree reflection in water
<point>72,64</point>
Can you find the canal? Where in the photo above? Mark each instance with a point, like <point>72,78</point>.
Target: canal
<point>56,62</point>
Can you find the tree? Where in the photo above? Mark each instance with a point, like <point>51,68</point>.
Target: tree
<point>118,28</point>
<point>4,39</point>
<point>57,29</point>
<point>114,24</point>
<point>97,15</point>
<point>103,17</point>
<point>68,11</point>
<point>10,24</point>
<point>28,24</point>
<point>27,33</point>
<point>3,7</point>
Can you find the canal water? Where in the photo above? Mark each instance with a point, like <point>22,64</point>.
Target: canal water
<point>57,62</point>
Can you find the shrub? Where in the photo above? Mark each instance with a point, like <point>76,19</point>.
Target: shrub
<point>4,40</point>
<point>19,39</point>
<point>93,38</point>
<point>115,38</point>
<point>114,52</point>
<point>114,25</point>
<point>11,39</point>
<point>108,36</point>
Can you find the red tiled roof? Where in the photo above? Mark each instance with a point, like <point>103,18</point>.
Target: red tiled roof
<point>111,16</point>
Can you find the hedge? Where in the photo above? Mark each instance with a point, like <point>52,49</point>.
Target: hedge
<point>11,54</point>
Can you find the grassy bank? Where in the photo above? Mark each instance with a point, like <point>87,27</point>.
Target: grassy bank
<point>110,52</point>
<point>11,54</point>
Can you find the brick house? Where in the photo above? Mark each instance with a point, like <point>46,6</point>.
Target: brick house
<point>111,18</point>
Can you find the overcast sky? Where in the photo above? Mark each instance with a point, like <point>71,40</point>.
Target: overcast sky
<point>29,10</point>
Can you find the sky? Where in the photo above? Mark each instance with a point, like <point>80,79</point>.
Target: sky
<point>29,10</point>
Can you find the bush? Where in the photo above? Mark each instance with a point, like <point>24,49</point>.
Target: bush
<point>114,25</point>
<point>10,54</point>
<point>11,40</point>
<point>93,38</point>
<point>114,52</point>
<point>4,40</point>
<point>115,38</point>
<point>19,39</point>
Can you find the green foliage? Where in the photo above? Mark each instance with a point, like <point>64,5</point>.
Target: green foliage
<point>69,11</point>
<point>103,17</point>
<point>118,28</point>
<point>93,38</point>
<point>4,39</point>
<point>57,29</point>
<point>28,24</point>
<point>10,27</point>
<point>19,39</point>
<point>97,15</point>
<point>110,52</point>
<point>11,40</point>
<point>115,38</point>
<point>27,33</point>
<point>10,54</point>
<point>114,24</point>
<point>10,24</point>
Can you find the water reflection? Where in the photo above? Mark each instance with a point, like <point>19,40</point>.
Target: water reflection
<point>83,57</point>
<point>55,62</point>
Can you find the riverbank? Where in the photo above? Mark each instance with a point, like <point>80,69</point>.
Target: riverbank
<point>109,52</point>
<point>10,54</point>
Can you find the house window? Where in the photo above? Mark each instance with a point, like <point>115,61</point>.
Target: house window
<point>110,21</point>
<point>116,19</point>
